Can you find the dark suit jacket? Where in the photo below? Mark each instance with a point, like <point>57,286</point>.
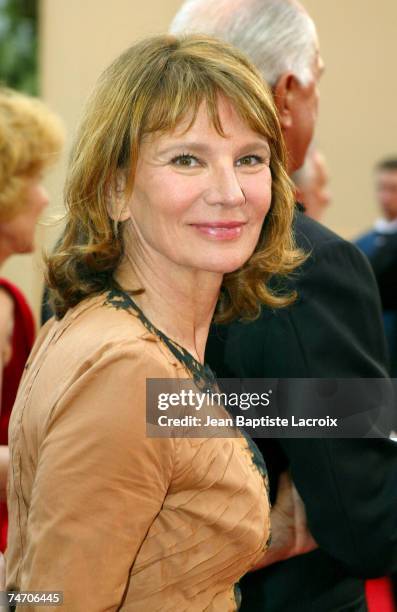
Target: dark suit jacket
<point>349,487</point>
<point>381,250</point>
<point>384,263</point>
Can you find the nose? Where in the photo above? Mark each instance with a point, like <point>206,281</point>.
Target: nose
<point>224,189</point>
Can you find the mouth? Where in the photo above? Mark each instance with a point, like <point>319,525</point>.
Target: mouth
<point>222,230</point>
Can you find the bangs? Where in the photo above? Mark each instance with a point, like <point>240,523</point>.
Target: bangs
<point>180,76</point>
<point>183,88</point>
<point>155,86</point>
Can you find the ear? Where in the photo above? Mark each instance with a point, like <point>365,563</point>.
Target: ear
<point>116,202</point>
<point>284,93</point>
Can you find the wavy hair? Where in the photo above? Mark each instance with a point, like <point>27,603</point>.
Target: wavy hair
<point>150,88</point>
<point>31,137</point>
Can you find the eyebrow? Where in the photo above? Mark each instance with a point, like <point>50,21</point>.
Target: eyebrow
<point>203,148</point>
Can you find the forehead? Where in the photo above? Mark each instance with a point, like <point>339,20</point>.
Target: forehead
<point>227,123</point>
<point>228,116</point>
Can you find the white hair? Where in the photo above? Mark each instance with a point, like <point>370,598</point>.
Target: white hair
<point>277,35</point>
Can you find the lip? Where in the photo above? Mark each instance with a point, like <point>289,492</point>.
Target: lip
<point>220,230</point>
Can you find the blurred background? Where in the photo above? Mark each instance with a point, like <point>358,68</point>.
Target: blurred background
<point>56,49</point>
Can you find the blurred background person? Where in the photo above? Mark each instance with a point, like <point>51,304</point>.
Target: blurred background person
<point>380,246</point>
<point>312,184</point>
<point>30,139</point>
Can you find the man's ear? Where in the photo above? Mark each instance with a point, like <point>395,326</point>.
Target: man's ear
<point>116,199</point>
<point>284,93</point>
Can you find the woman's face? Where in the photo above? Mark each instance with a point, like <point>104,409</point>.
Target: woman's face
<point>17,235</point>
<point>199,198</point>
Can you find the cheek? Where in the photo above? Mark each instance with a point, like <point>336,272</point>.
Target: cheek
<point>164,195</point>
<point>258,191</point>
<point>18,234</point>
<point>180,194</point>
<point>315,99</point>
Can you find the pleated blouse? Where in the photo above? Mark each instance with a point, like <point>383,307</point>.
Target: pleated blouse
<point>112,518</point>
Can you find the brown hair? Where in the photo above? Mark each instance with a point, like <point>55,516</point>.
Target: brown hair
<point>31,137</point>
<point>151,88</point>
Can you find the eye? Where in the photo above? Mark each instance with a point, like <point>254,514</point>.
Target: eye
<point>185,161</point>
<point>250,161</point>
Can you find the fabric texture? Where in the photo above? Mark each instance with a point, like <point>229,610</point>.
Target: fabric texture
<point>380,595</point>
<point>22,342</point>
<point>349,487</point>
<point>112,518</point>
<point>380,246</point>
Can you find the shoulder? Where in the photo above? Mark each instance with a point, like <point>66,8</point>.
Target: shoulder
<point>11,289</point>
<point>365,240</point>
<point>94,337</point>
<point>6,326</point>
<point>22,311</point>
<point>310,234</point>
<point>6,304</point>
<point>328,253</point>
<point>98,324</point>
<point>92,366</point>
<point>15,294</point>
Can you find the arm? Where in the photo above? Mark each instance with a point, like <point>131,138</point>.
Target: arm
<point>99,485</point>
<point>384,264</point>
<point>6,328</point>
<point>349,487</point>
<point>289,532</point>
<point>4,460</point>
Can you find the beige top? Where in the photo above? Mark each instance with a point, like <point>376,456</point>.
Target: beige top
<point>99,511</point>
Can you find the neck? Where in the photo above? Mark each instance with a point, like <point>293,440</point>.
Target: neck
<point>177,300</point>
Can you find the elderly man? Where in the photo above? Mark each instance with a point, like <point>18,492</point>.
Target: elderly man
<point>311,182</point>
<point>334,329</point>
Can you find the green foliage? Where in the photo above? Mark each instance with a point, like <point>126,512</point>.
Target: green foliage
<point>18,45</point>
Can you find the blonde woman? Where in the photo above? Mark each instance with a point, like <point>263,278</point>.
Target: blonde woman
<point>30,139</point>
<point>178,163</point>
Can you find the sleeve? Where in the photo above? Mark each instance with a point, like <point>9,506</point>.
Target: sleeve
<point>334,330</point>
<point>349,486</point>
<point>99,485</point>
<point>384,264</point>
<point>340,305</point>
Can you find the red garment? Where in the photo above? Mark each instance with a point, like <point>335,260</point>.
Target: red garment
<point>379,595</point>
<point>22,341</point>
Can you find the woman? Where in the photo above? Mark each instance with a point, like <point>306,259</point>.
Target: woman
<point>178,161</point>
<point>30,139</point>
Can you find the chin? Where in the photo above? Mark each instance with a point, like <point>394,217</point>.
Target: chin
<point>225,266</point>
